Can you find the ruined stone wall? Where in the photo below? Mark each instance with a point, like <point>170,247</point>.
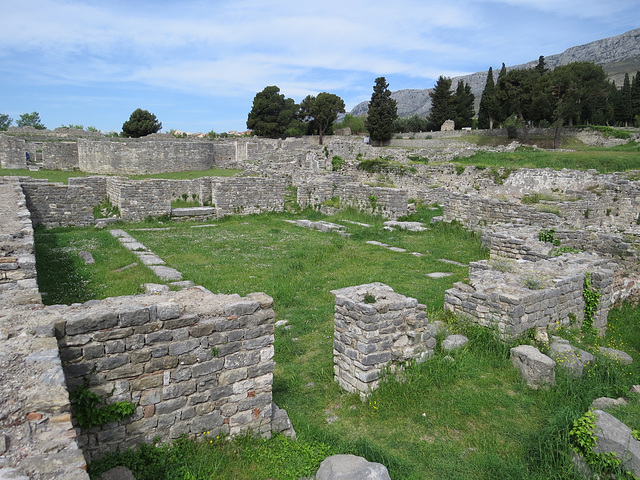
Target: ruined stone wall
<point>138,199</point>
<point>59,156</point>
<point>373,333</point>
<point>36,433</point>
<point>12,152</point>
<point>247,195</point>
<point>475,212</point>
<point>143,156</point>
<point>18,284</point>
<point>532,295</point>
<point>388,202</point>
<point>320,188</point>
<point>97,183</point>
<point>56,204</point>
<point>191,362</point>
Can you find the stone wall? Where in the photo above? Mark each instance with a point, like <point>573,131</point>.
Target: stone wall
<point>144,156</point>
<point>12,152</point>
<point>138,199</point>
<point>58,156</point>
<point>388,202</point>
<point>190,361</point>
<point>321,188</point>
<point>37,438</point>
<point>371,335</point>
<point>18,284</point>
<point>55,204</point>
<point>515,297</point>
<point>247,195</point>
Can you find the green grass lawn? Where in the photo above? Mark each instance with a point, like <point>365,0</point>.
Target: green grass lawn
<point>63,176</point>
<point>470,418</point>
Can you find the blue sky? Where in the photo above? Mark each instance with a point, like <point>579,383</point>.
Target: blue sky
<point>197,65</point>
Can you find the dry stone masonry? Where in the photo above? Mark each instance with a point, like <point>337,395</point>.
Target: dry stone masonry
<point>190,361</point>
<point>376,328</point>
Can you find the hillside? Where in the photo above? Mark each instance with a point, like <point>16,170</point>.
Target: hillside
<point>617,55</point>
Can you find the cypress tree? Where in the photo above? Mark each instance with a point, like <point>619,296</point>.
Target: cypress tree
<point>463,104</point>
<point>382,112</point>
<point>442,106</point>
<point>489,104</point>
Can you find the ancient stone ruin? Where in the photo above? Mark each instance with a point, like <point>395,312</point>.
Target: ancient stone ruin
<point>191,361</point>
<point>376,328</point>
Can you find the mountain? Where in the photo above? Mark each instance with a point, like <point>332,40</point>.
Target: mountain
<point>617,55</point>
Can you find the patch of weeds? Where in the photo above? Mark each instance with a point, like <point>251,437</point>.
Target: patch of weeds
<point>533,280</point>
<point>382,165</point>
<point>502,264</point>
<point>556,252</point>
<point>368,298</point>
<point>610,132</point>
<point>336,163</point>
<point>91,410</point>
<point>548,236</point>
<point>106,210</point>
<point>549,209</point>
<point>418,158</point>
<point>591,300</point>
<point>460,169</point>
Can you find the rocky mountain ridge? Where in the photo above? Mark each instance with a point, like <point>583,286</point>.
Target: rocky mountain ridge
<point>617,55</point>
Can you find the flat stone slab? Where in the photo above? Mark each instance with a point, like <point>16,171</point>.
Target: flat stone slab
<point>439,274</point>
<point>409,226</point>
<point>166,273</point>
<point>148,258</point>
<point>87,257</point>
<point>192,211</point>
<point>453,262</point>
<point>183,284</point>
<point>614,436</point>
<point>134,246</point>
<point>376,243</point>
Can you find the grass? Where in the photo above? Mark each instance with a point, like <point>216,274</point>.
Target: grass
<point>470,416</point>
<point>63,176</point>
<point>604,160</point>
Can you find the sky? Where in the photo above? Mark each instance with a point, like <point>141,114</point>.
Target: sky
<point>197,65</point>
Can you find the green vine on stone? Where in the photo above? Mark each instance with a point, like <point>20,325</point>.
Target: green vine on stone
<point>591,300</point>
<point>89,413</point>
<point>583,441</point>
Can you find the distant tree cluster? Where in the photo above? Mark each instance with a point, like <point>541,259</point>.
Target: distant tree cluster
<point>574,94</point>
<point>448,105</point>
<point>26,120</point>
<point>273,115</point>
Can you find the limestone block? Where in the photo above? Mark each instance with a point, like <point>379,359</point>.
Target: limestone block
<point>454,342</point>
<point>569,357</point>
<point>614,436</point>
<point>348,467</point>
<point>536,368</point>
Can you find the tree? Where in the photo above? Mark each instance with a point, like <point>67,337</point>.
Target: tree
<point>321,111</point>
<point>574,86</point>
<point>140,124</point>
<point>489,110</point>
<point>515,91</point>
<point>624,109</point>
<point>31,120</point>
<point>383,111</point>
<point>442,105</point>
<point>463,101</point>
<point>5,122</point>
<point>272,114</point>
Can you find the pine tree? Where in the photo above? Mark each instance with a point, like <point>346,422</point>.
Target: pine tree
<point>442,106</point>
<point>635,96</point>
<point>382,112</point>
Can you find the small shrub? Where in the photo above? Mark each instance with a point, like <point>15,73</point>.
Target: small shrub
<point>533,280</point>
<point>368,298</point>
<point>548,236</point>
<point>89,413</point>
<point>502,264</point>
<point>336,163</point>
<point>609,132</point>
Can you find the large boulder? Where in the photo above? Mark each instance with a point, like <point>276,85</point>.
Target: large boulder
<point>569,357</point>
<point>350,467</point>
<point>536,368</point>
<point>613,436</point>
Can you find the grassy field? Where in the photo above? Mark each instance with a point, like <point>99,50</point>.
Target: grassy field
<point>470,418</point>
<point>63,176</point>
<point>604,160</point>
